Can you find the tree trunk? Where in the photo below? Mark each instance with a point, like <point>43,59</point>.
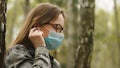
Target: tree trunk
<point>69,35</point>
<point>85,34</point>
<point>72,30</point>
<point>3,7</point>
<point>117,28</point>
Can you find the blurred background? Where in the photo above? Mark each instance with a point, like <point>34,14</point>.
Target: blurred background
<point>106,48</point>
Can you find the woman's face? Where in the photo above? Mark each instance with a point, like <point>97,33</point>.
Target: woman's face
<point>55,25</point>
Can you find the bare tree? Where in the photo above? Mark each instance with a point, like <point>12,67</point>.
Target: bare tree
<point>3,6</point>
<point>85,34</point>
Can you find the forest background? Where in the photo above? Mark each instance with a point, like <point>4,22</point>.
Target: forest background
<point>106,46</point>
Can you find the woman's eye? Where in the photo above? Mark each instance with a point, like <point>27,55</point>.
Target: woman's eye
<point>56,26</point>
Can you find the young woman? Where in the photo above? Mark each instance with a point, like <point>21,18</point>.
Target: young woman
<point>42,31</point>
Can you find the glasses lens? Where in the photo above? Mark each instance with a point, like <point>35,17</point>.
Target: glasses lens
<point>58,28</point>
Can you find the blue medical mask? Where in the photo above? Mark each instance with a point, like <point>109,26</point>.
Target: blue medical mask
<point>53,40</point>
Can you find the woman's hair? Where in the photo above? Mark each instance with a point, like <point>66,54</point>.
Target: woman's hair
<point>42,13</point>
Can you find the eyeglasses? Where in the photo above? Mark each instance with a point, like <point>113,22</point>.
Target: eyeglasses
<point>57,27</point>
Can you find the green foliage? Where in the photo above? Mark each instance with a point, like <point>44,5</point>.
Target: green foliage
<point>12,19</point>
<point>61,3</point>
<point>106,49</point>
<point>101,19</point>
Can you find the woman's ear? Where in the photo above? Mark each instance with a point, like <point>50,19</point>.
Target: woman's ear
<point>36,25</point>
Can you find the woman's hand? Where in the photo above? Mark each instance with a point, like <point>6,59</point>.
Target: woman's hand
<point>36,37</point>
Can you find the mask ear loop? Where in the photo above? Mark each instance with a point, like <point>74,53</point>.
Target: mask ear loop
<point>48,29</point>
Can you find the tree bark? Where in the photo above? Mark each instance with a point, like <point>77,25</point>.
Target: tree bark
<point>117,28</point>
<point>3,7</point>
<point>85,34</point>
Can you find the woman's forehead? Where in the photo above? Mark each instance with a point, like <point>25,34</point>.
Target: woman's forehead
<point>59,20</point>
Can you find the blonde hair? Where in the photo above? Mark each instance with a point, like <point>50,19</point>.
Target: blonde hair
<point>42,13</point>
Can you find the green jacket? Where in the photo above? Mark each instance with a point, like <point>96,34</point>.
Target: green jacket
<point>21,57</point>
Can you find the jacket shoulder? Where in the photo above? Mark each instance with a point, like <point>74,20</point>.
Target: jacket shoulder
<point>54,62</point>
<point>15,54</point>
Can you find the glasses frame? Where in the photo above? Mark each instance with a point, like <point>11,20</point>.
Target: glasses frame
<point>57,27</point>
